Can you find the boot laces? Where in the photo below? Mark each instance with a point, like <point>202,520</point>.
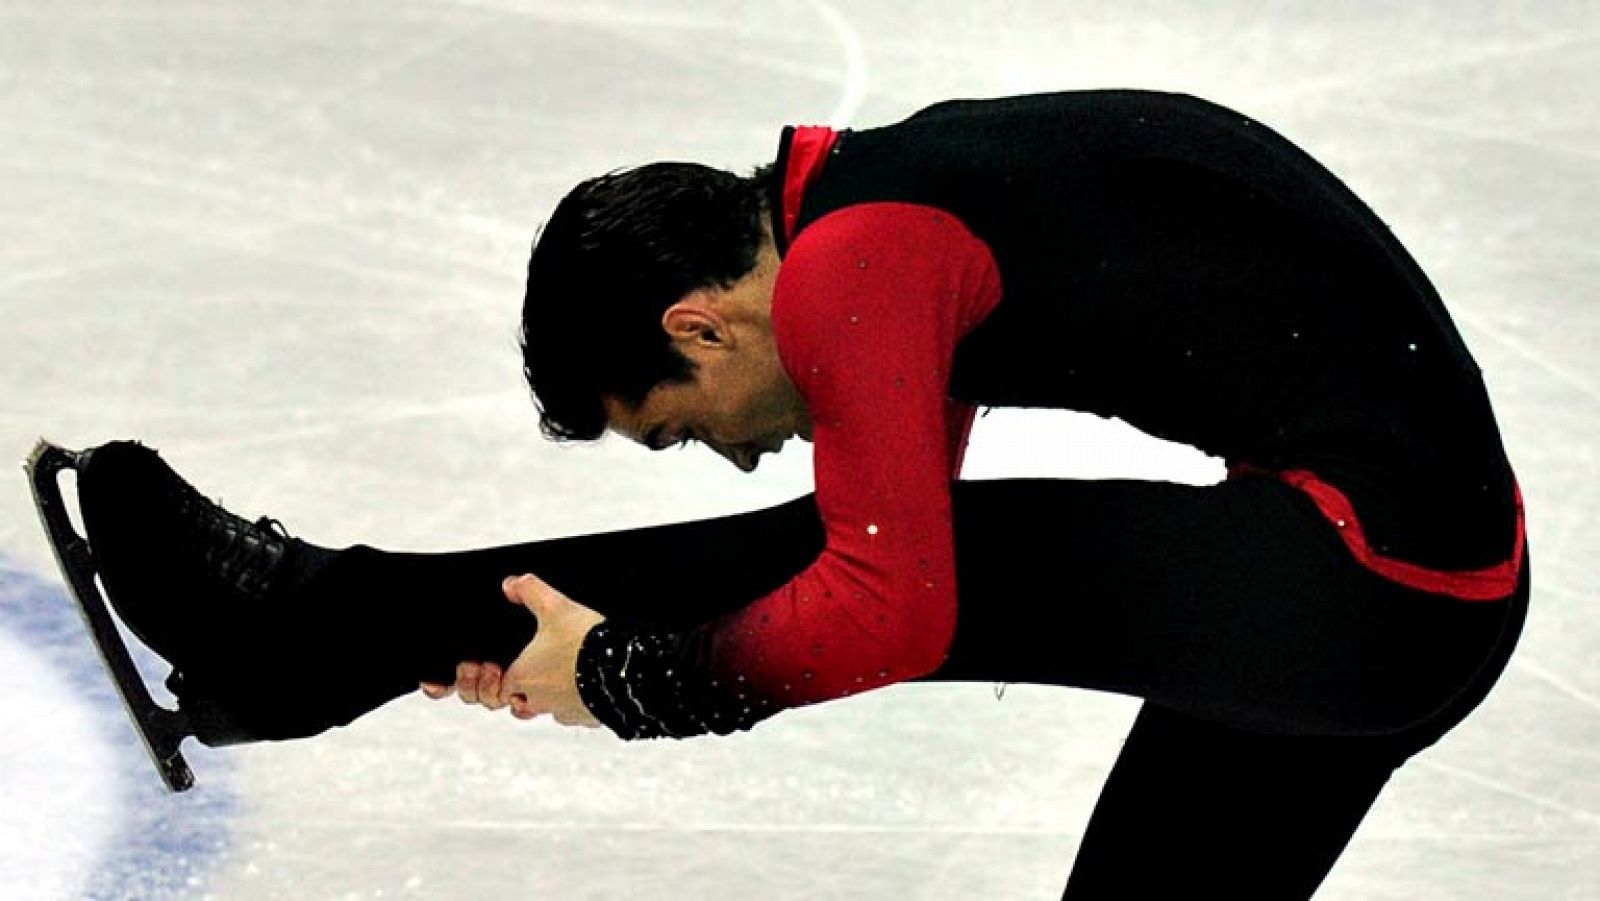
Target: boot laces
<point>244,554</point>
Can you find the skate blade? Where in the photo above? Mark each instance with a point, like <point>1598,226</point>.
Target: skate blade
<point>160,729</point>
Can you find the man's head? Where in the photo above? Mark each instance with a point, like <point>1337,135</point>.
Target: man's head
<point>648,311</point>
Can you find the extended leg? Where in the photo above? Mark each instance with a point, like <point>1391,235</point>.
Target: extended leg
<point>244,611</point>
<point>397,618</point>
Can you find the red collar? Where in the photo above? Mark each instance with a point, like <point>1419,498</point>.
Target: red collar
<point>808,150</point>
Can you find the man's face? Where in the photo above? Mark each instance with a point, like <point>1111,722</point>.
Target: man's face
<point>740,401</point>
<point>739,404</point>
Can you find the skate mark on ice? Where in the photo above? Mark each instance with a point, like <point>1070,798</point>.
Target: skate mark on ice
<point>1475,59</point>
<point>278,196</point>
<point>1574,380</point>
<point>1556,682</point>
<point>367,80</point>
<point>1587,817</point>
<point>469,406</point>
<point>855,74</point>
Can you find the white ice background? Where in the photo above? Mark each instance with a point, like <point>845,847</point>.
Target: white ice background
<point>283,242</point>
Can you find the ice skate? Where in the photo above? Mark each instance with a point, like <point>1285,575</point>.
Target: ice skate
<point>186,577</point>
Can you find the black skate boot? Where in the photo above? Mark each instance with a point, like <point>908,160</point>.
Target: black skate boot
<point>181,571</point>
<point>194,582</point>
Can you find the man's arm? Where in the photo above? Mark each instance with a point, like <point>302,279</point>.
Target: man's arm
<point>869,306</point>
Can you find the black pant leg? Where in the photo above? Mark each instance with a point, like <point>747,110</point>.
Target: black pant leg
<point>387,621</point>
<point>1237,603</point>
<point>449,607</point>
<point>1193,809</point>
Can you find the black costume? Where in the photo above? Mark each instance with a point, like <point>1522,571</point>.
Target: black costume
<point>1153,257</point>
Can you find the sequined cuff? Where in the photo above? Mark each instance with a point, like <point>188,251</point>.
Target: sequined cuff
<point>640,684</point>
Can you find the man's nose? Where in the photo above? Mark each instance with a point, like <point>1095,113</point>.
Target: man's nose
<point>742,457</point>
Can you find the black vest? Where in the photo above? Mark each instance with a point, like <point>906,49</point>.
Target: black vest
<point>1186,269</point>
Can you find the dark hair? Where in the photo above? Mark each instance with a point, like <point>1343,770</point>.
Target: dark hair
<point>616,253</point>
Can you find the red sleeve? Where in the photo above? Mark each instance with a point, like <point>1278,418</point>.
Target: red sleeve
<point>870,303</point>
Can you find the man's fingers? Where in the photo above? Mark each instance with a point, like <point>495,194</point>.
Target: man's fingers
<point>530,591</point>
<point>476,683</point>
<point>521,708</point>
<point>513,588</point>
<point>467,682</point>
<point>489,687</point>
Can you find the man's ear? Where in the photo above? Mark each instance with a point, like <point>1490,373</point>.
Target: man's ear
<point>694,322</point>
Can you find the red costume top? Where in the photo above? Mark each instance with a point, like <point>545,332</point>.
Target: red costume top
<point>867,311</point>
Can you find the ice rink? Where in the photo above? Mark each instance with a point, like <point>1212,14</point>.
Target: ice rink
<point>284,244</point>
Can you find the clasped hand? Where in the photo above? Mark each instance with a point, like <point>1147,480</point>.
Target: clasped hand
<point>543,678</point>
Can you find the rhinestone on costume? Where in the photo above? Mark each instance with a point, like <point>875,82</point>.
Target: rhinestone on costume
<point>872,529</point>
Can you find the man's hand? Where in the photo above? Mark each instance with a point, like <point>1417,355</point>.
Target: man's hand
<point>543,679</point>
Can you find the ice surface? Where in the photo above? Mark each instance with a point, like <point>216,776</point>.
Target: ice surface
<point>283,242</point>
<point>51,752</point>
